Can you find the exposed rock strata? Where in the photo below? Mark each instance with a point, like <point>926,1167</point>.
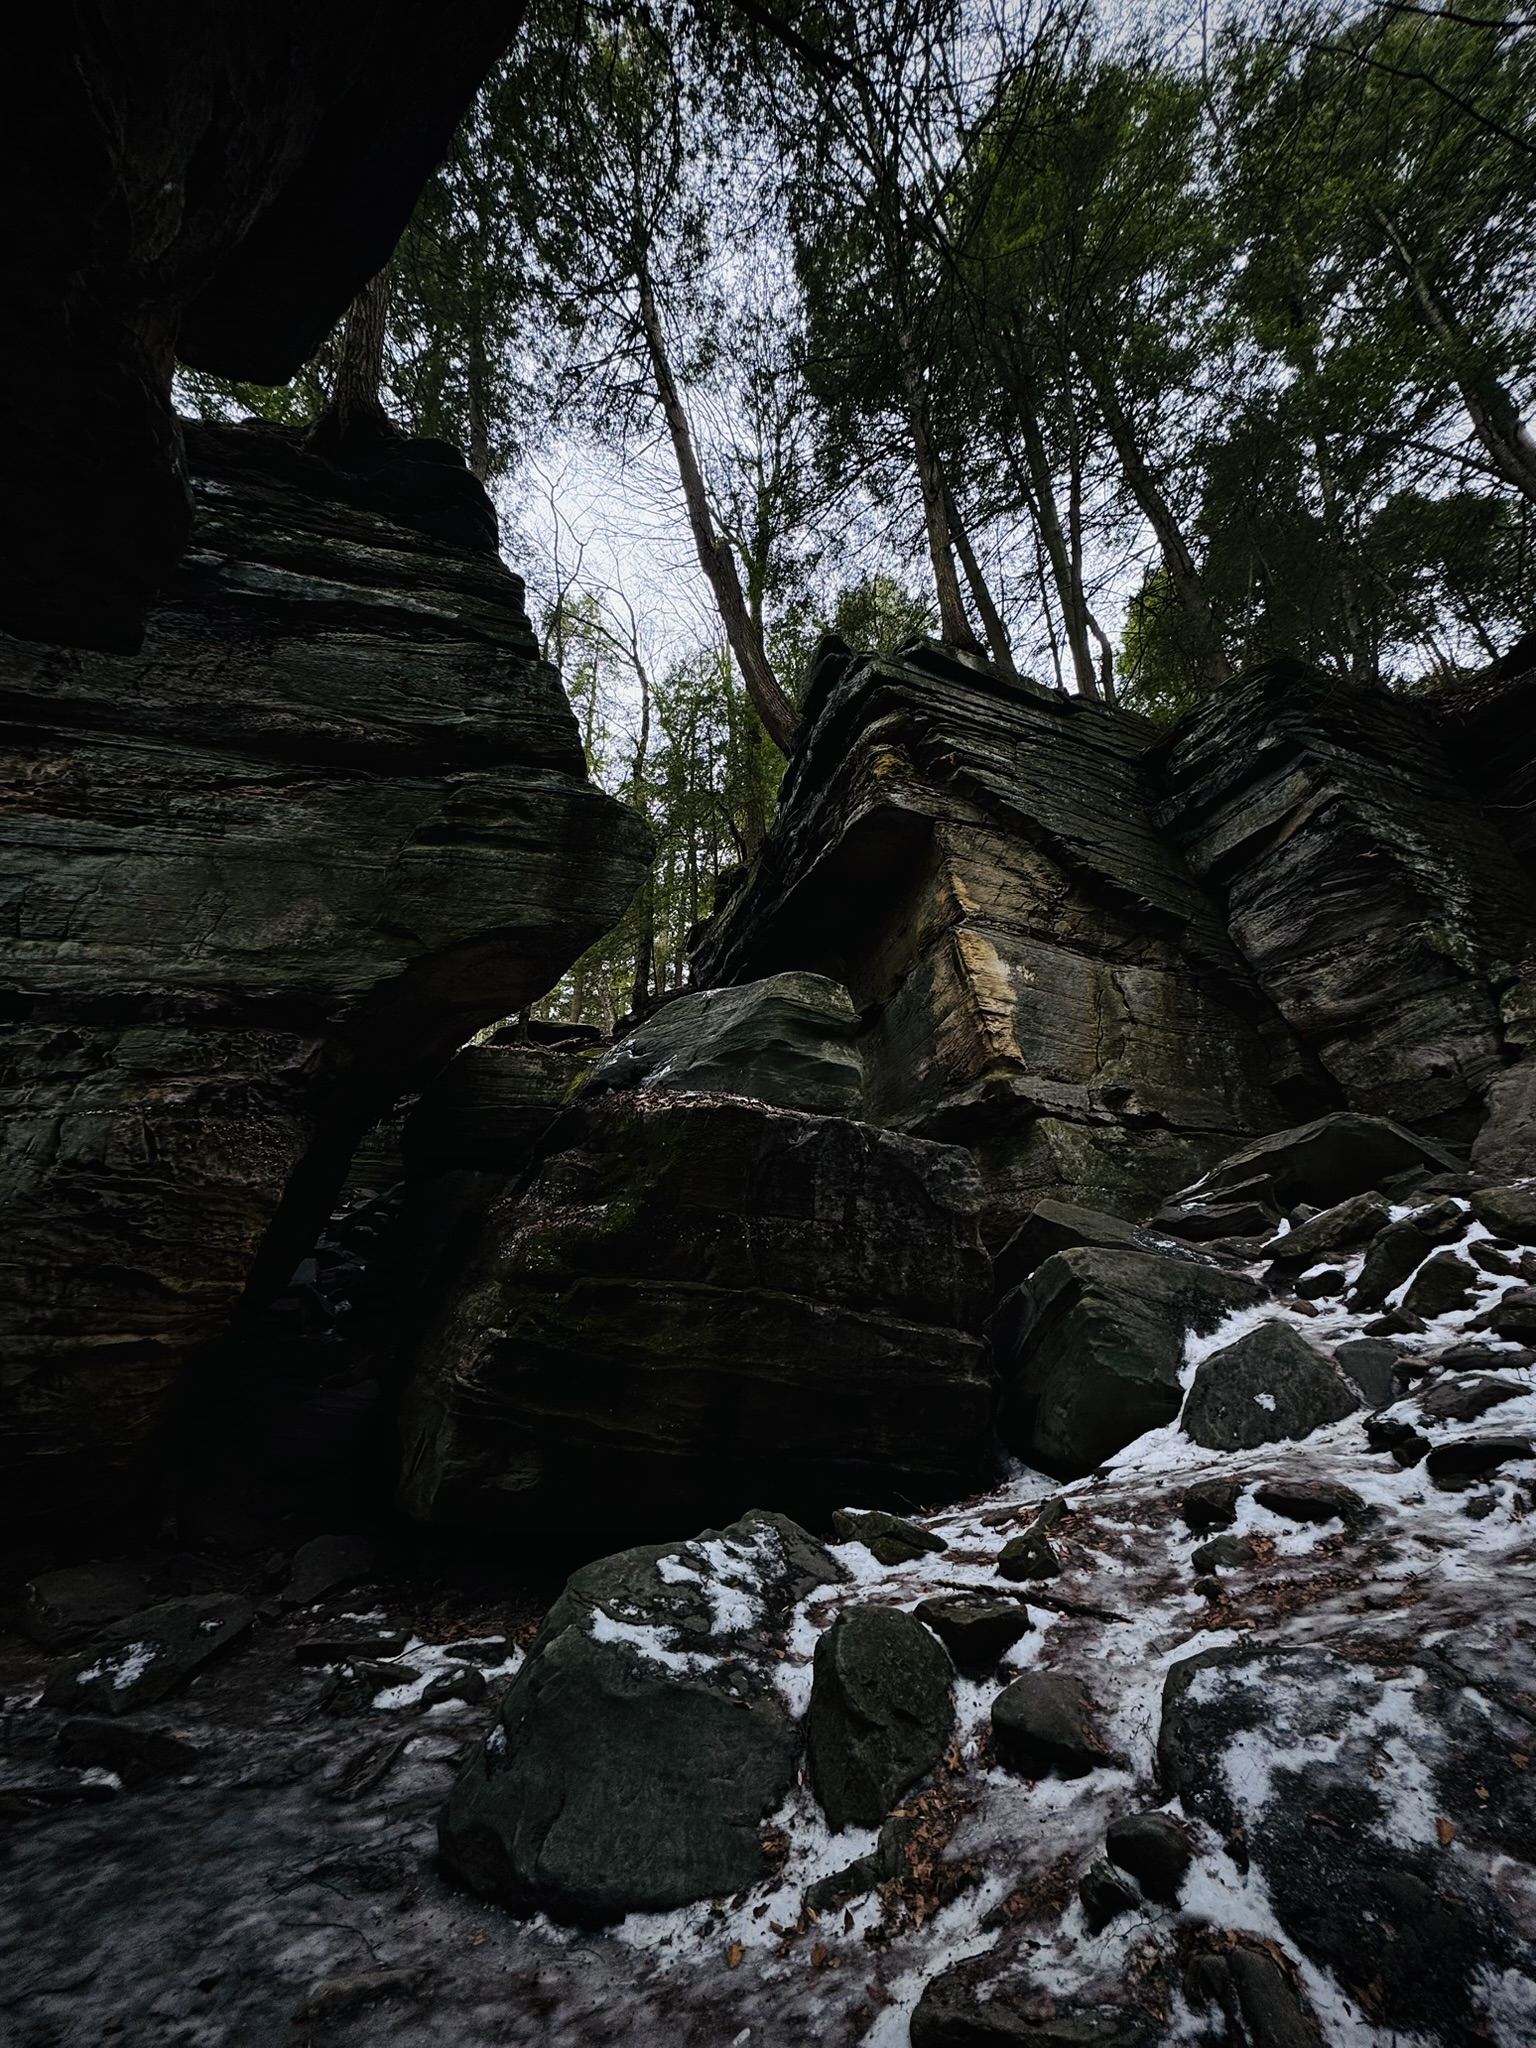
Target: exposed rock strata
<point>1381,912</point>
<point>697,1298</point>
<point>1048,984</point>
<point>260,880</point>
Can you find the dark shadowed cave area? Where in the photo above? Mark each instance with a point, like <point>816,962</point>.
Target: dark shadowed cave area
<point>921,1432</point>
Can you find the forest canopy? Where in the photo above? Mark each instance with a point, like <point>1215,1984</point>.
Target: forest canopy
<point>1121,348</point>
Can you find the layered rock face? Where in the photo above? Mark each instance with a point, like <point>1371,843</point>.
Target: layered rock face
<point>1042,977</point>
<point>1373,902</point>
<point>261,879</point>
<point>701,1301</point>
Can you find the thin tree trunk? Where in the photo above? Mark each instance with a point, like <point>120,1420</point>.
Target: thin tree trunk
<point>479,427</point>
<point>1106,658</point>
<point>1494,415</point>
<point>955,628</point>
<point>780,719</point>
<point>1361,660</point>
<point>1021,389</point>
<point>1177,559</point>
<point>981,595</point>
<point>354,405</point>
<point>645,945</point>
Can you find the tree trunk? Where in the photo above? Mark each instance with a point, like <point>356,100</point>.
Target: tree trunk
<point>780,719</point>
<point>981,595</point>
<point>1020,385</point>
<point>479,426</point>
<point>1185,577</point>
<point>645,944</point>
<point>1494,415</point>
<point>354,410</point>
<point>955,628</point>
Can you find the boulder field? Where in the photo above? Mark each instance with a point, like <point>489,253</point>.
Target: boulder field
<point>1227,1739</point>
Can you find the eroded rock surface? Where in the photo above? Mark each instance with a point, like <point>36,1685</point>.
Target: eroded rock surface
<point>697,1298</point>
<point>980,867</point>
<point>262,878</point>
<point>1371,899</point>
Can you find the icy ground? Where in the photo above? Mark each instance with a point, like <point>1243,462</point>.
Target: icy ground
<point>284,1890</point>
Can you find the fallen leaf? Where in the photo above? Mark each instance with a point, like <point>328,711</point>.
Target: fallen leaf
<point>819,1955</point>
<point>1446,1831</point>
<point>1482,1792</point>
<point>734,1954</point>
<point>1519,1759</point>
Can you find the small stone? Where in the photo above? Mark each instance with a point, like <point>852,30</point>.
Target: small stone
<point>1244,1980</point>
<point>1442,1283</point>
<point>134,1753</point>
<point>138,1661</point>
<point>1028,1558</point>
<point>1198,1223</point>
<point>1223,1553</point>
<point>319,1650</point>
<point>888,1538</point>
<point>1459,1398</point>
<point>1322,1284</point>
<point>881,1713</point>
<point>1394,1253</point>
<point>1513,1315</point>
<point>334,1997</point>
<point>1391,1433</point>
<point>970,2006</point>
<point>1507,1212</point>
<point>1210,1504</point>
<point>1154,1849</point>
<point>1332,1230</point>
<point>975,1628</point>
<point>325,1565</point>
<point>1439,1221</point>
<point>1395,1324</point>
<point>1105,1895</point>
<point>1474,1456</point>
<point>1371,1362</point>
<point>1043,1725</point>
<point>1489,1259</point>
<point>1312,1500</point>
<point>1269,1386</point>
<point>463,1684</point>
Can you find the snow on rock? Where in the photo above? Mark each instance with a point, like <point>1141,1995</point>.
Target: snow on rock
<point>1339,1713</point>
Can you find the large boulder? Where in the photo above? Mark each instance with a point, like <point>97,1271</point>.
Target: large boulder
<point>1093,1346</point>
<point>1409,1931</point>
<point>882,1712</point>
<point>332,821</point>
<point>979,863</point>
<point>1506,1143</point>
<point>643,1744</point>
<point>699,1302</point>
<point>488,1109</point>
<point>1266,1388</point>
<point>789,1039</point>
<point>1323,1164</point>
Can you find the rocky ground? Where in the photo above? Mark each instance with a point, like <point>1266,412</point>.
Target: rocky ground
<point>1311,1658</point>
